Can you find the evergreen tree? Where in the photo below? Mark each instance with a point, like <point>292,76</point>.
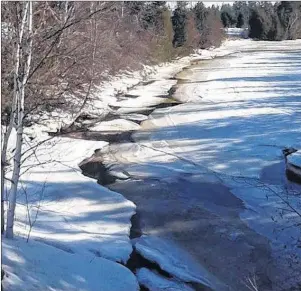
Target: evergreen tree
<point>264,23</point>
<point>179,20</point>
<point>240,21</point>
<point>201,14</point>
<point>228,16</point>
<point>241,11</point>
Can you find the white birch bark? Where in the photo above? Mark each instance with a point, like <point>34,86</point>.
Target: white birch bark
<point>12,116</point>
<point>21,83</point>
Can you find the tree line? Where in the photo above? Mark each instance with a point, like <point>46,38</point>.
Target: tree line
<point>265,20</point>
<point>79,43</point>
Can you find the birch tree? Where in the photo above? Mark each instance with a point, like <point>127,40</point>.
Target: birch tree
<point>24,49</point>
<point>37,51</point>
<point>13,113</point>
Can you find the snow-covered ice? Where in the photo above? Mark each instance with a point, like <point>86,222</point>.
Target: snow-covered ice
<point>76,224</point>
<point>243,110</point>
<point>175,261</point>
<point>155,282</point>
<point>74,220</point>
<point>295,158</point>
<point>36,266</point>
<point>74,212</point>
<point>115,125</point>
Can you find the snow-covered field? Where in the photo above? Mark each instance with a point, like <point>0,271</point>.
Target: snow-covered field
<point>243,109</point>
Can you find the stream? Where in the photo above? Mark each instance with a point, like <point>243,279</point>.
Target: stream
<point>206,171</point>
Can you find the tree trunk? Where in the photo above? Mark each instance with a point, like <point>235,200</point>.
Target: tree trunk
<point>12,116</point>
<point>21,83</point>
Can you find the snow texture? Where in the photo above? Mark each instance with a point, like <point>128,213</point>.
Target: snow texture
<point>36,266</point>
<point>155,282</point>
<point>175,261</point>
<point>295,158</point>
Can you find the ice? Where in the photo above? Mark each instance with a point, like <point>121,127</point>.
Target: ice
<point>36,266</point>
<point>115,125</point>
<point>242,111</point>
<point>155,282</point>
<point>239,113</point>
<point>175,261</point>
<point>295,159</point>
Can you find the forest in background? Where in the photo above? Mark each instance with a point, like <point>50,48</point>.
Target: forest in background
<point>265,20</point>
<point>76,45</point>
<point>79,44</point>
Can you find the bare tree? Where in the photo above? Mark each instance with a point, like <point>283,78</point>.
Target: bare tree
<point>91,70</point>
<point>58,52</point>
<point>13,113</point>
<point>294,27</point>
<point>29,40</point>
<point>21,77</point>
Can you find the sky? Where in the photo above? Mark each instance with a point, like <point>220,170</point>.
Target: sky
<point>173,4</point>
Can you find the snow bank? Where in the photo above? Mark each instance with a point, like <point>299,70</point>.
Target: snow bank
<point>155,282</point>
<point>115,125</point>
<point>72,223</point>
<point>175,261</point>
<point>143,88</point>
<point>36,266</point>
<point>295,159</point>
<point>74,212</point>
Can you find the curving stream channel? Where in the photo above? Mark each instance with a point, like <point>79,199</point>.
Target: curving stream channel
<point>215,210</point>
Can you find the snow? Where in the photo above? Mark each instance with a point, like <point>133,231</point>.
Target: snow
<point>242,111</point>
<point>75,213</point>
<point>155,282</point>
<point>76,224</point>
<point>175,261</point>
<point>237,32</point>
<point>134,117</point>
<point>295,159</point>
<point>293,164</point>
<point>116,124</point>
<point>75,221</point>
<point>36,266</point>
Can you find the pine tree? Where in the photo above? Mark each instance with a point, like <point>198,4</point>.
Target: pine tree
<point>179,20</point>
